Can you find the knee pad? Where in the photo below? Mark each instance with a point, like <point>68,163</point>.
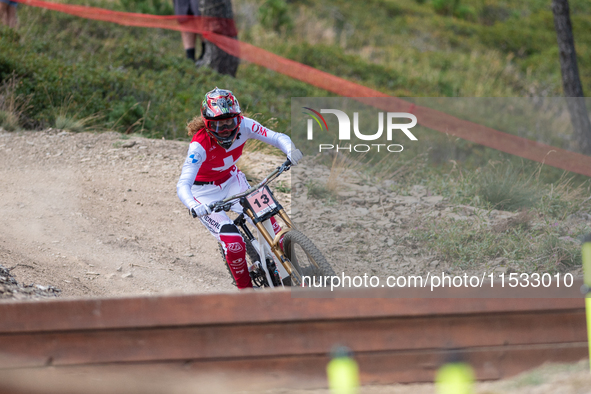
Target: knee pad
<point>229,229</point>
<point>232,240</point>
<point>235,249</point>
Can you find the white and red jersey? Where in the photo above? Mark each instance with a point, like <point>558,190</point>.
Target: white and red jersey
<point>207,161</point>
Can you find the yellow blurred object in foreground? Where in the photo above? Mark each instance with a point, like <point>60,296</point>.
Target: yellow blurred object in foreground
<point>455,378</point>
<point>586,252</point>
<point>343,375</point>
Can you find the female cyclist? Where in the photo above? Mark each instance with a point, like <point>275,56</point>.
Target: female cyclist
<point>209,173</point>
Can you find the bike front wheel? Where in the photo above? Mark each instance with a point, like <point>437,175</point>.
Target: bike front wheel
<point>305,257</point>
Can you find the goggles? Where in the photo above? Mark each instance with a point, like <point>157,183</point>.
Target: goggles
<point>218,126</point>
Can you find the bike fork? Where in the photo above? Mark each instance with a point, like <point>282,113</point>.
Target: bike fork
<point>281,261</point>
<point>274,243</point>
<point>263,254</point>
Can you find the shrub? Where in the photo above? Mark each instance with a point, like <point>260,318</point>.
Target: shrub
<point>155,7</point>
<point>524,36</point>
<point>12,105</point>
<point>507,188</point>
<point>135,79</point>
<point>489,14</point>
<point>466,12</point>
<point>333,59</point>
<point>445,7</point>
<point>8,120</point>
<point>274,14</point>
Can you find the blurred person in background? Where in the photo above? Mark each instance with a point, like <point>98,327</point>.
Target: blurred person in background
<point>8,13</point>
<point>187,8</point>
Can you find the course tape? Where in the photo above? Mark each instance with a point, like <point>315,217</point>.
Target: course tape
<point>196,24</point>
<point>210,29</point>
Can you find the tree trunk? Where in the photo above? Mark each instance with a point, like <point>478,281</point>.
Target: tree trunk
<point>214,57</point>
<point>571,83</point>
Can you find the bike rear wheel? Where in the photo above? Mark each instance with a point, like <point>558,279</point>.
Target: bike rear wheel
<point>305,256</point>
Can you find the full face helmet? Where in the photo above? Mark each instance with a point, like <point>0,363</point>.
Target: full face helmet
<point>221,114</point>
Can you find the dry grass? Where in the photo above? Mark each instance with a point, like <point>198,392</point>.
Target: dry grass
<point>72,124</point>
<point>565,197</point>
<point>12,106</point>
<point>340,165</point>
<point>520,222</point>
<point>66,118</point>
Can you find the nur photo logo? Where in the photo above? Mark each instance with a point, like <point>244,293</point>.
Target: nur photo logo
<point>392,122</point>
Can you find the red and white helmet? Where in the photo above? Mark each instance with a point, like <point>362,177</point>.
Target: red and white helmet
<point>218,105</point>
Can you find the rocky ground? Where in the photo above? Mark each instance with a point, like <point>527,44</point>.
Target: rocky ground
<point>365,226</point>
<point>87,215</point>
<point>97,215</point>
<point>10,288</point>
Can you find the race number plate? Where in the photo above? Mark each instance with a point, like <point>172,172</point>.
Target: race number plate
<point>262,202</point>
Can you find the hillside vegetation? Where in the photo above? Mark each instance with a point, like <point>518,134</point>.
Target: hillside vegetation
<point>136,80</point>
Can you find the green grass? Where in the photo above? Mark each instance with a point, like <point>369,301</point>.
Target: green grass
<point>133,79</point>
<point>548,373</point>
<point>282,187</point>
<point>471,243</point>
<point>410,49</point>
<point>541,238</point>
<point>507,188</point>
<point>136,79</point>
<point>12,105</point>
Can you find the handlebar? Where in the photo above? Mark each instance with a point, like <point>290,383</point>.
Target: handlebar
<point>226,204</point>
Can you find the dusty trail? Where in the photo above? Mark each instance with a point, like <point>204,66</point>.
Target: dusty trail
<point>92,218</point>
<point>97,215</point>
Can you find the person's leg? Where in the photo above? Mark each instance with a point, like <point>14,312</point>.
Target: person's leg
<point>224,230</point>
<point>236,184</point>
<point>221,227</point>
<point>235,250</point>
<point>184,12</point>
<point>197,12</point>
<point>189,39</point>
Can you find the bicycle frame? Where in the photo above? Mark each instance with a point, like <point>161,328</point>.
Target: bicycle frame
<point>273,242</point>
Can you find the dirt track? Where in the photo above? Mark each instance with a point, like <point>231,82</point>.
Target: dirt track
<point>88,216</point>
<point>98,215</point>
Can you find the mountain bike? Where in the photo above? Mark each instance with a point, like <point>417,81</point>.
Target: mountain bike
<point>270,265</point>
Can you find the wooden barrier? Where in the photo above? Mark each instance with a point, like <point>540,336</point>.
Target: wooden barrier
<point>288,339</point>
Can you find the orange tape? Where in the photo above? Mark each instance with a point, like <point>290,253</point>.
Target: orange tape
<point>427,117</point>
<point>196,24</point>
<point>219,30</point>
